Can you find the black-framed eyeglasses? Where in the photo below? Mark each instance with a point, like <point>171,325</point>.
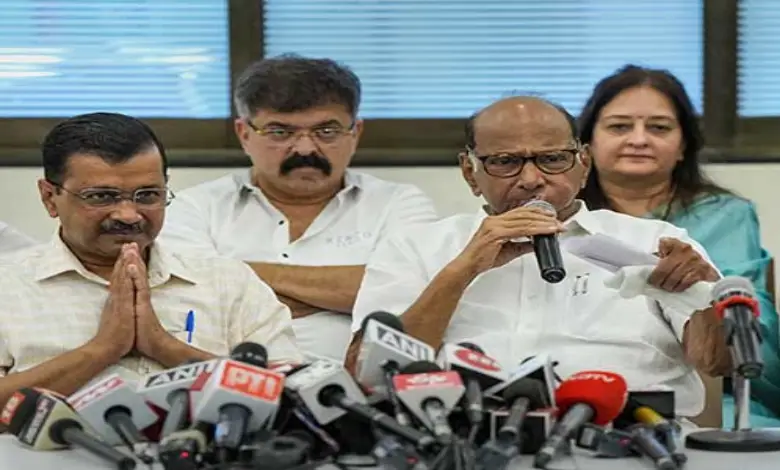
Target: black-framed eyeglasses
<point>149,198</point>
<point>507,165</point>
<point>326,134</point>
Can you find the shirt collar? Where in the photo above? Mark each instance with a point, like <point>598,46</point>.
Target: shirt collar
<point>59,259</point>
<point>353,182</point>
<point>582,219</point>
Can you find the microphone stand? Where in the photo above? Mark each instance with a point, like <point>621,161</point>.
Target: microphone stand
<point>741,438</point>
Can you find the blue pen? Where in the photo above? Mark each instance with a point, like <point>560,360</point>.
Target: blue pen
<point>189,325</point>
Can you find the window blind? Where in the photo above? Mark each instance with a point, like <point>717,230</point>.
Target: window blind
<point>448,58</point>
<point>759,58</point>
<point>147,58</point>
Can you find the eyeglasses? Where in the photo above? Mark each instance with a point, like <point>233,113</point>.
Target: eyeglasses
<point>507,165</point>
<point>149,198</point>
<point>328,134</point>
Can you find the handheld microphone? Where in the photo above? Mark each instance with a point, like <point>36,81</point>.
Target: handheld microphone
<point>736,304</point>
<point>430,394</point>
<point>644,441</point>
<point>329,393</point>
<point>44,421</point>
<point>589,396</point>
<point>114,410</point>
<point>546,248</point>
<point>169,390</point>
<point>385,344</point>
<point>240,396</point>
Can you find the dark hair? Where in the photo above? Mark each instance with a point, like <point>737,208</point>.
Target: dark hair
<point>688,181</point>
<point>471,138</point>
<point>290,83</point>
<point>116,138</point>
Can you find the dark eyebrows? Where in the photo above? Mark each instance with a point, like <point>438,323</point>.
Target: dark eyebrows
<point>329,122</point>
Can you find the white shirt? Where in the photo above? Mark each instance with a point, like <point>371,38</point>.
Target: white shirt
<point>233,218</point>
<point>51,304</point>
<point>513,314</point>
<point>12,239</point>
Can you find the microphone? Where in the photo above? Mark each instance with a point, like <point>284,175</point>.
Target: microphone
<point>329,392</point>
<point>736,304</point>
<point>478,371</point>
<point>114,410</point>
<point>430,394</point>
<point>240,396</point>
<point>523,395</point>
<point>546,248</point>
<point>384,346</point>
<point>643,441</point>
<point>665,431</point>
<point>169,390</point>
<point>184,449</point>
<point>589,396</point>
<point>539,367</point>
<point>44,421</point>
<point>469,360</point>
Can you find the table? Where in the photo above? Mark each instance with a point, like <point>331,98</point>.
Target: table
<point>13,455</point>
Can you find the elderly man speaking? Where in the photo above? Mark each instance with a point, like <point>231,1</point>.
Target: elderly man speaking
<point>474,277</point>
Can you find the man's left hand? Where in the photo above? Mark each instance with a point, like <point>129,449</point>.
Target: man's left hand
<point>680,267</point>
<point>150,337</point>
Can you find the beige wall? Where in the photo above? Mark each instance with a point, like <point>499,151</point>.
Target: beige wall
<point>22,209</point>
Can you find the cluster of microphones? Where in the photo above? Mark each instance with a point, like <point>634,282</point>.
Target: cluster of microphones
<point>406,407</point>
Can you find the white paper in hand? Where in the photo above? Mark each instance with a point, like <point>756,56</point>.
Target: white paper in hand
<point>607,252</point>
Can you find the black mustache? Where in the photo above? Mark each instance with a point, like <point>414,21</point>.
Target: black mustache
<point>120,228</point>
<point>312,160</point>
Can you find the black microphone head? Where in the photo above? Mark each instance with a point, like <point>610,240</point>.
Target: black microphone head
<point>250,353</point>
<point>471,346</point>
<point>529,388</point>
<point>385,318</point>
<point>420,367</point>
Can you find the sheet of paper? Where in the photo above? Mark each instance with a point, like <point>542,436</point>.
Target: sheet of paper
<point>607,252</point>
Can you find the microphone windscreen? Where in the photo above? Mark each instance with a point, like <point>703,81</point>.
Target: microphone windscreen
<point>532,389</point>
<point>732,285</point>
<point>250,353</point>
<point>540,204</point>
<point>385,318</point>
<point>605,392</point>
<point>421,367</point>
<point>471,346</point>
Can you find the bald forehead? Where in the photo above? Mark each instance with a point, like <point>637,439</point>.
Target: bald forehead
<point>522,122</point>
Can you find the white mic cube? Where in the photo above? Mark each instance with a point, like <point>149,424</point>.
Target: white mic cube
<point>307,383</point>
<point>92,403</point>
<point>238,383</point>
<point>381,344</point>
<point>157,387</point>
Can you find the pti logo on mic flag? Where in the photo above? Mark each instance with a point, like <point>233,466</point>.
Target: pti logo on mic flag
<point>257,383</point>
<point>477,360</point>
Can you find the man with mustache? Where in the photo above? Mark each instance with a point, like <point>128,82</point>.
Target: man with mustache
<point>103,296</point>
<point>304,222</point>
<point>475,278</point>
